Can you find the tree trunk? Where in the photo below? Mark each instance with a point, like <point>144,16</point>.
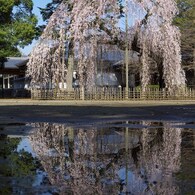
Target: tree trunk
<point>69,78</point>
<point>161,79</point>
<point>194,60</point>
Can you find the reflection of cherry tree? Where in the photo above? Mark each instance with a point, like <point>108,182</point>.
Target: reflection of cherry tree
<point>111,160</point>
<point>73,166</point>
<point>48,142</point>
<point>160,158</point>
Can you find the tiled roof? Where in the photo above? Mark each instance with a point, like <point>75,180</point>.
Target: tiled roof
<point>14,62</point>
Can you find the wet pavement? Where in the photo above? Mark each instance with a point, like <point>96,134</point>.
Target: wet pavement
<point>83,112</point>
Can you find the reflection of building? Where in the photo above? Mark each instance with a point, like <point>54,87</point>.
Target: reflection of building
<point>109,160</point>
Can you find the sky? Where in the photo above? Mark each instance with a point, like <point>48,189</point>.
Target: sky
<point>37,3</point>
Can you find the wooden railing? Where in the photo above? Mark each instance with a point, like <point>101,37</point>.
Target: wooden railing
<point>108,93</point>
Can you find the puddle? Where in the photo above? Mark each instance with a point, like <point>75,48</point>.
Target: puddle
<point>124,157</point>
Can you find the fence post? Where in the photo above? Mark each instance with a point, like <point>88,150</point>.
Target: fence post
<point>32,94</point>
<point>82,93</point>
<point>126,93</point>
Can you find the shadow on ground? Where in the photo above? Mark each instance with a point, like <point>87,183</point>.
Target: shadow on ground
<point>93,113</point>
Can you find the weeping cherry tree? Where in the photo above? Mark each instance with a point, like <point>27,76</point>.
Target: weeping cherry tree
<point>78,26</point>
<point>160,39</point>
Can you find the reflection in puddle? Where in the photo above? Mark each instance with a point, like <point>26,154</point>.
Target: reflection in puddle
<point>55,159</point>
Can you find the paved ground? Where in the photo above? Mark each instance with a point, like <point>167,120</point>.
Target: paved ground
<point>77,112</point>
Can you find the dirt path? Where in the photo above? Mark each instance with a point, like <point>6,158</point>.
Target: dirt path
<point>18,110</point>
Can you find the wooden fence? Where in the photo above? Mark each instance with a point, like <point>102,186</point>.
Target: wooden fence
<point>112,94</point>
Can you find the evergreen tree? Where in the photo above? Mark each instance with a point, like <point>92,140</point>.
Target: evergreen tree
<point>49,9</point>
<point>17,27</point>
<point>186,22</point>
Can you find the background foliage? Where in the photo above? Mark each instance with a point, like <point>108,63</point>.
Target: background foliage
<point>186,22</point>
<point>18,27</point>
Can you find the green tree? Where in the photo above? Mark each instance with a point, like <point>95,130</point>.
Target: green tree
<point>186,22</point>
<point>49,9</point>
<point>17,27</point>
